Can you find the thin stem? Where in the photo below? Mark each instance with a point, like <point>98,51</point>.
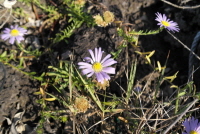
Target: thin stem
<point>177,101</point>
<point>184,45</point>
<point>7,18</point>
<point>33,77</point>
<point>181,7</point>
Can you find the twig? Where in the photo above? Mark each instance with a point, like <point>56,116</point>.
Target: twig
<point>192,54</point>
<point>97,123</point>
<point>74,124</point>
<point>184,45</point>
<point>6,10</point>
<point>185,1</point>
<point>181,7</point>
<point>7,18</point>
<point>165,132</point>
<point>35,11</point>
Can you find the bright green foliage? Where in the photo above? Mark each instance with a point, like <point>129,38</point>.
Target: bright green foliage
<point>130,82</point>
<point>64,76</point>
<point>19,12</point>
<point>141,32</point>
<point>76,18</point>
<point>29,52</point>
<point>68,31</point>
<point>130,38</point>
<point>120,48</point>
<point>68,9</point>
<point>12,56</point>
<point>59,115</point>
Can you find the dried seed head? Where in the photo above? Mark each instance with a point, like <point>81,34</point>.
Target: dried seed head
<point>80,2</point>
<point>108,17</point>
<point>103,85</point>
<point>81,104</point>
<point>99,21</point>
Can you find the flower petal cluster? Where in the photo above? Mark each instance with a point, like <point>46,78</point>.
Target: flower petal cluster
<point>192,126</point>
<point>13,33</point>
<point>97,66</point>
<point>166,23</point>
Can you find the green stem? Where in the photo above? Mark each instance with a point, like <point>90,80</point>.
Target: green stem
<point>177,102</point>
<point>33,77</point>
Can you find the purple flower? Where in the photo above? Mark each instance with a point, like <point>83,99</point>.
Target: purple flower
<point>94,65</point>
<point>13,33</point>
<point>137,89</point>
<point>166,23</point>
<point>192,126</point>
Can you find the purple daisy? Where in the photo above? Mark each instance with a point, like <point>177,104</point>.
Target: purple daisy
<point>192,126</point>
<point>166,23</point>
<point>13,33</point>
<point>94,65</point>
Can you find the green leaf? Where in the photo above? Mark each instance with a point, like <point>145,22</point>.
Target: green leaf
<point>181,94</point>
<point>4,54</point>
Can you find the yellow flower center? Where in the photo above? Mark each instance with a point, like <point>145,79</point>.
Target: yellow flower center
<point>14,32</point>
<point>193,132</point>
<point>97,67</point>
<point>165,23</point>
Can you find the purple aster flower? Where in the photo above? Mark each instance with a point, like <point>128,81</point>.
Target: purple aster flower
<point>94,65</point>
<point>166,23</point>
<point>192,126</point>
<point>137,89</point>
<point>13,33</point>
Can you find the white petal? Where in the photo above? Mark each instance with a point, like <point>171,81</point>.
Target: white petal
<point>96,54</point>
<point>99,55</point>
<point>92,55</point>
<point>105,75</point>
<point>109,70</point>
<point>86,71</point>
<point>90,74</point>
<point>109,62</point>
<point>107,57</point>
<point>99,77</point>
<point>84,64</point>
